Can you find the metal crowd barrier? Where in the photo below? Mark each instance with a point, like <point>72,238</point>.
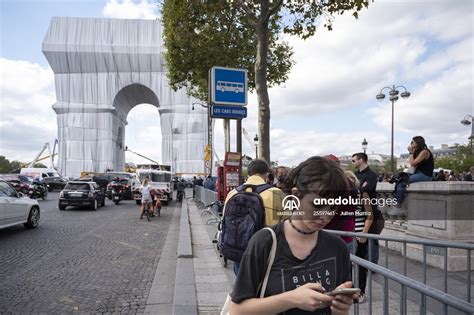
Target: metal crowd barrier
<point>426,291</point>
<point>204,196</point>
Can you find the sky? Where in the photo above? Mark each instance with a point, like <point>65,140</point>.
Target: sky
<point>327,106</point>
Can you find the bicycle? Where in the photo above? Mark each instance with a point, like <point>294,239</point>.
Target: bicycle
<point>147,211</point>
<point>215,209</point>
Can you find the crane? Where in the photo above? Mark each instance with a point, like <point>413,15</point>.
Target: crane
<point>216,156</point>
<point>38,158</point>
<point>248,137</point>
<point>41,159</point>
<point>127,149</point>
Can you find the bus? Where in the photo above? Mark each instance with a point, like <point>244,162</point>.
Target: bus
<point>225,86</point>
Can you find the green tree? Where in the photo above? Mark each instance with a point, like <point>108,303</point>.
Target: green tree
<point>461,161</point>
<point>4,165</point>
<point>241,34</point>
<point>15,166</point>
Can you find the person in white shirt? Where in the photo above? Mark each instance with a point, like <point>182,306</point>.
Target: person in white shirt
<point>146,197</point>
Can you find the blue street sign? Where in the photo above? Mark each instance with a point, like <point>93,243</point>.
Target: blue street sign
<point>229,112</point>
<point>228,86</point>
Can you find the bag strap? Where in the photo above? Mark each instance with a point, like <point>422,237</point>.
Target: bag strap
<point>255,188</point>
<point>271,258</point>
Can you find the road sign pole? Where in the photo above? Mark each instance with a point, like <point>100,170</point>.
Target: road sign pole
<point>239,146</point>
<point>227,134</point>
<point>209,135</point>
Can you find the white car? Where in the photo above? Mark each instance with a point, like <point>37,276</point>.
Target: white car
<point>16,209</point>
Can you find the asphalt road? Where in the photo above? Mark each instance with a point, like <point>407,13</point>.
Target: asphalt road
<point>80,260</point>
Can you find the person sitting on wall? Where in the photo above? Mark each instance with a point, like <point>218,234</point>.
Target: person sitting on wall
<point>421,159</point>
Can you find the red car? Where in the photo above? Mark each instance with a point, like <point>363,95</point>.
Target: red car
<point>21,183</point>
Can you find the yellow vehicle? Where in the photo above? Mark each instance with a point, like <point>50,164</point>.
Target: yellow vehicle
<point>87,174</point>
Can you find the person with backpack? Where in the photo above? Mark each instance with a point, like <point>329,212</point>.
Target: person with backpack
<point>308,261</point>
<point>247,209</point>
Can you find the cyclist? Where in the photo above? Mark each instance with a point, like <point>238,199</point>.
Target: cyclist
<point>146,197</point>
<point>180,187</point>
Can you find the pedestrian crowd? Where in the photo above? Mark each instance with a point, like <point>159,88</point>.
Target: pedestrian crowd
<point>287,262</point>
<point>308,261</point>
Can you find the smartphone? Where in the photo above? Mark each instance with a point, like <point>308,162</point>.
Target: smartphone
<point>347,291</point>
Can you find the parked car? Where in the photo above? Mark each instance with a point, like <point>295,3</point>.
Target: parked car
<point>81,193</point>
<point>15,208</point>
<point>57,183</point>
<point>20,183</point>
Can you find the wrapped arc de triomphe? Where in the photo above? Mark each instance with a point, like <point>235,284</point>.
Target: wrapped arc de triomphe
<point>103,68</point>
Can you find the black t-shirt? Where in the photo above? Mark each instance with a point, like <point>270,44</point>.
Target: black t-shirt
<point>368,181</point>
<point>426,166</point>
<point>328,264</point>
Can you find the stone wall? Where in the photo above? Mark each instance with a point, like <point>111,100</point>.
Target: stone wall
<point>441,211</point>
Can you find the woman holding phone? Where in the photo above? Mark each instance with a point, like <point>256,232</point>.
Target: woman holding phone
<point>309,262</point>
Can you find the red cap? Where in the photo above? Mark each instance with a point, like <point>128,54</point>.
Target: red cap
<point>332,157</point>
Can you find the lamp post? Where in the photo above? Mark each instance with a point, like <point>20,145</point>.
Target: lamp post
<point>255,142</point>
<point>364,145</point>
<point>466,122</point>
<point>393,92</point>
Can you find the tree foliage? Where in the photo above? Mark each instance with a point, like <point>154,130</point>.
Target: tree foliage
<point>4,165</point>
<point>9,167</point>
<point>460,162</point>
<point>199,35</point>
<point>242,34</point>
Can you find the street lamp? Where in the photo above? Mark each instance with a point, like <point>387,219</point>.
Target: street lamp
<point>364,145</point>
<point>255,142</point>
<point>466,122</point>
<point>393,92</point>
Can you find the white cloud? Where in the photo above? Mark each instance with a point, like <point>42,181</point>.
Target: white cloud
<point>28,121</point>
<point>436,108</point>
<point>143,134</point>
<point>390,41</point>
<point>426,45</point>
<point>129,9</point>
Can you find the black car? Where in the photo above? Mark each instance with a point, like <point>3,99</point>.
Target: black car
<point>57,183</point>
<point>81,193</point>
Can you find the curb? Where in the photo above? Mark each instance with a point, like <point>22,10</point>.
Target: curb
<point>160,299</point>
<point>185,300</point>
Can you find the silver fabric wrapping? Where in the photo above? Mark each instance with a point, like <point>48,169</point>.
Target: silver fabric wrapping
<point>103,68</point>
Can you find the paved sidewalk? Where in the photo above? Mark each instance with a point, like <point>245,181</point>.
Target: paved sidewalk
<point>212,279</point>
<point>198,268</point>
